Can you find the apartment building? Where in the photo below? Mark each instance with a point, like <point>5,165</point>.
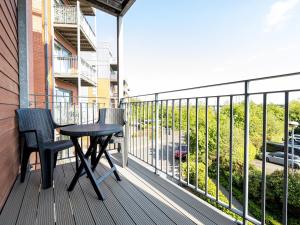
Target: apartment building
<point>70,31</point>
<point>107,67</point>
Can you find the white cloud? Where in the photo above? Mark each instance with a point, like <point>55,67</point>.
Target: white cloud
<point>279,13</point>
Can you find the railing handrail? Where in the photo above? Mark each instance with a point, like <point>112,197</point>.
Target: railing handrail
<point>217,84</point>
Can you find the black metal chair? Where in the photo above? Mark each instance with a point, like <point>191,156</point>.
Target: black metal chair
<point>36,127</point>
<point>113,116</point>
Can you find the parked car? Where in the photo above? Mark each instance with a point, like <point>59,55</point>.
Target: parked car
<point>278,158</point>
<point>182,153</point>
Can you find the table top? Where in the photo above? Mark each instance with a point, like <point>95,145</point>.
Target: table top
<point>93,130</point>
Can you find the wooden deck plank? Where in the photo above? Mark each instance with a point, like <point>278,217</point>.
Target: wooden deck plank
<point>45,210</point>
<point>81,210</point>
<point>63,208</point>
<point>28,210</point>
<point>151,209</point>
<point>195,206</point>
<point>10,211</point>
<point>128,203</point>
<point>111,210</point>
<point>156,198</point>
<point>140,198</point>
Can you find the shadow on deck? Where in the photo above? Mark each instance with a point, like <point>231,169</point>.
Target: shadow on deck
<point>140,198</point>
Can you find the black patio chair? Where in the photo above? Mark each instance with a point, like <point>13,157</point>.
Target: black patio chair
<point>113,116</point>
<point>36,127</point>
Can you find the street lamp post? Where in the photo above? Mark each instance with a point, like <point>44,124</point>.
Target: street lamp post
<point>293,125</point>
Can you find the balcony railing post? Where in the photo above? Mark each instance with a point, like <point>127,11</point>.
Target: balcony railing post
<point>246,148</point>
<point>156,133</point>
<point>124,105</point>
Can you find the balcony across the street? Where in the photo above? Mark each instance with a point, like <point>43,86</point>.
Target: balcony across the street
<point>66,23</point>
<point>66,69</point>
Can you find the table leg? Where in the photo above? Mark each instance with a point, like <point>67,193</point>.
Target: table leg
<point>103,145</point>
<point>86,165</point>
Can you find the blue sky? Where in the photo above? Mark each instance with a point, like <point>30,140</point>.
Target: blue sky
<point>175,44</point>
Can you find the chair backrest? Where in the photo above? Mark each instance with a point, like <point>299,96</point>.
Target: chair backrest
<point>111,116</point>
<point>32,119</point>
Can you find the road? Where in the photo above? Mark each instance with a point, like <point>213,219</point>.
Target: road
<point>270,167</point>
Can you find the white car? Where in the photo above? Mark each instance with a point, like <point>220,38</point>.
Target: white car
<point>278,158</point>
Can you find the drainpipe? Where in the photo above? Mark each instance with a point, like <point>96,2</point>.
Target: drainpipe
<point>46,52</point>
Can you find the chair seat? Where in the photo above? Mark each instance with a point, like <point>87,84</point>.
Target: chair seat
<point>59,145</point>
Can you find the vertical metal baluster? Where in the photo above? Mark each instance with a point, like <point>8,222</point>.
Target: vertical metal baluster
<point>68,150</point>
<point>87,121</point>
<point>180,120</point>
<point>156,133</point>
<point>206,146</point>
<point>264,149</point>
<point>130,125</point>
<point>81,121</point>
<point>60,122</point>
<point>286,166</point>
<point>152,136</point>
<point>188,139</point>
<point>173,145</point>
<point>246,150</point>
<point>93,112</point>
<point>230,151</point>
<point>140,128</point>
<point>167,140</point>
<point>218,149</point>
<point>197,144</point>
<point>147,132</point>
<point>161,136</point>
<point>136,129</point>
<point>144,131</point>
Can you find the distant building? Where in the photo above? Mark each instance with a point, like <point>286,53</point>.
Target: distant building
<point>71,32</point>
<point>107,69</point>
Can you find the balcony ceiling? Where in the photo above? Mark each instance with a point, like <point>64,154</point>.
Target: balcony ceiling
<point>85,7</point>
<point>113,7</point>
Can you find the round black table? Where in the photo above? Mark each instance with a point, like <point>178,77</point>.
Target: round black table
<point>99,134</point>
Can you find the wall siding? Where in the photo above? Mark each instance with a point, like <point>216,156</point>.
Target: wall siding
<point>9,97</point>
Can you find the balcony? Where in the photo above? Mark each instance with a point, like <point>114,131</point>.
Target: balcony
<point>185,147</point>
<point>65,23</point>
<point>66,69</point>
<point>114,77</point>
<point>140,198</point>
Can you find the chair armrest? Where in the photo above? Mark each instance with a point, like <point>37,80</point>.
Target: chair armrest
<point>38,136</point>
<point>62,125</point>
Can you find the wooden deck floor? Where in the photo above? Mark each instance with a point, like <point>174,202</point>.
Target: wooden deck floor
<point>140,198</point>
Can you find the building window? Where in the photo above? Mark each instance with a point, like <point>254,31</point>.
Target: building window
<point>63,96</point>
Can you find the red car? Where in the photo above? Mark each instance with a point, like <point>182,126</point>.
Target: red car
<point>183,152</point>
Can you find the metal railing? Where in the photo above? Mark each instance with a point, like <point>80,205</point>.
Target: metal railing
<point>88,71</point>
<point>69,65</point>
<point>70,110</point>
<point>68,15</point>
<point>87,29</point>
<point>160,133</point>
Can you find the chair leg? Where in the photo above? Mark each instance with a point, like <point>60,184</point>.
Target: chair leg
<point>119,147</point>
<point>46,159</point>
<point>55,159</point>
<point>24,162</point>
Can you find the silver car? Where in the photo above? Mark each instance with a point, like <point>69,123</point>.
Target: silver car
<point>278,158</point>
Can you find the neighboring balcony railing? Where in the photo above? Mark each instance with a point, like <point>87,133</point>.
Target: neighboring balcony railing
<point>205,138</point>
<point>88,71</point>
<point>114,77</point>
<point>69,66</point>
<point>67,15</point>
